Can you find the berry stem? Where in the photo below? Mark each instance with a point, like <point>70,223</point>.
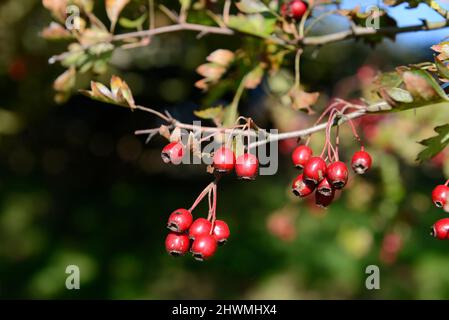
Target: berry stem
<point>201,196</point>
<point>354,132</point>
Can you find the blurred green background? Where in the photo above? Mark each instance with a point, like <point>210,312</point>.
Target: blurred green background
<point>77,187</point>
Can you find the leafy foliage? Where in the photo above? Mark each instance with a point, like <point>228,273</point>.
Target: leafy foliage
<point>436,144</point>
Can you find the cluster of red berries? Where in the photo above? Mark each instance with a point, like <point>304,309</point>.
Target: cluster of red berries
<point>294,9</point>
<point>246,166</point>
<point>440,195</point>
<point>200,236</point>
<point>224,161</point>
<point>322,178</point>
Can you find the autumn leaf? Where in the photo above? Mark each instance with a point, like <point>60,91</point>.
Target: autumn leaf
<point>222,57</point>
<point>66,81</point>
<point>55,31</point>
<point>302,100</point>
<point>113,10</point>
<point>57,8</point>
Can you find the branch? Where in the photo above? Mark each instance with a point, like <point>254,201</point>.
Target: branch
<point>357,32</point>
<point>360,32</point>
<point>270,137</point>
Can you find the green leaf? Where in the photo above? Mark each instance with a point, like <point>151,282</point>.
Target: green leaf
<point>133,24</point>
<point>443,70</point>
<point>434,144</point>
<point>210,113</point>
<point>254,24</point>
<point>252,6</point>
<point>400,95</point>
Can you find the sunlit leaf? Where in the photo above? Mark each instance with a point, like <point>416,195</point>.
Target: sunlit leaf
<point>254,24</point>
<point>251,6</point>
<point>210,113</point>
<point>132,24</point>
<point>254,77</point>
<point>222,57</point>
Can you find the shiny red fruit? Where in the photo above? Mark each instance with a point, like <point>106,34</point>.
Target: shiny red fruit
<point>325,188</point>
<point>302,188</point>
<point>199,227</point>
<point>204,247</point>
<point>315,170</point>
<point>247,166</point>
<point>337,174</point>
<point>440,195</point>
<point>361,162</point>
<point>177,244</point>
<point>173,153</point>
<point>180,220</point>
<point>221,231</point>
<point>224,160</point>
<point>301,155</point>
<point>322,200</point>
<point>440,229</point>
<point>297,9</point>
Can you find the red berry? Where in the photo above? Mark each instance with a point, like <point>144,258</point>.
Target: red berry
<point>440,195</point>
<point>297,9</point>
<point>180,220</point>
<point>301,155</point>
<point>302,188</point>
<point>177,244</point>
<point>315,170</point>
<point>322,200</point>
<point>325,188</point>
<point>204,247</point>
<point>199,227</point>
<point>361,162</point>
<point>224,159</point>
<point>440,229</point>
<point>173,153</point>
<point>246,166</point>
<point>221,231</point>
<point>337,174</point>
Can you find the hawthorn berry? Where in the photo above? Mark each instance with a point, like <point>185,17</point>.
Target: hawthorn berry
<point>199,227</point>
<point>301,155</point>
<point>173,153</point>
<point>361,161</point>
<point>440,229</point>
<point>180,220</point>
<point>302,188</point>
<point>297,9</point>
<point>246,166</point>
<point>177,244</point>
<point>440,195</point>
<point>322,200</point>
<point>325,188</point>
<point>337,174</point>
<point>221,232</point>
<point>294,9</point>
<point>315,170</point>
<point>204,247</point>
<point>224,160</point>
